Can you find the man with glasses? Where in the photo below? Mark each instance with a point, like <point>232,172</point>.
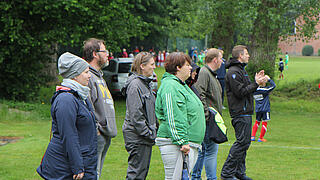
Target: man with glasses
<point>94,51</point>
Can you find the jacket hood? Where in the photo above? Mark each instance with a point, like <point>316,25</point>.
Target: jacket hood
<point>133,76</point>
<point>95,72</point>
<point>61,89</point>
<point>234,62</point>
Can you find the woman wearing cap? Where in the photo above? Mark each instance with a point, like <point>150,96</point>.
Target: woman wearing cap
<point>181,116</point>
<point>72,151</point>
<point>139,127</point>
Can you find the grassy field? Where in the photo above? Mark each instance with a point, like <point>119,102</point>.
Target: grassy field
<point>292,150</point>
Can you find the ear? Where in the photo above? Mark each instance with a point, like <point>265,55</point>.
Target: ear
<point>95,54</point>
<point>142,66</point>
<point>178,68</point>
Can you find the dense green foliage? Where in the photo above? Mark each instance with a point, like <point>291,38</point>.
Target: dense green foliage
<point>31,31</point>
<point>259,24</point>
<point>307,50</point>
<point>155,14</point>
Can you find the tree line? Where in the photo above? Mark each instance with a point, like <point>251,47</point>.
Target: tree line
<point>31,30</point>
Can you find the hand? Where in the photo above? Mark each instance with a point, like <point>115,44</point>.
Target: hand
<point>185,149</point>
<point>267,77</point>
<point>98,132</point>
<point>259,75</point>
<point>79,176</point>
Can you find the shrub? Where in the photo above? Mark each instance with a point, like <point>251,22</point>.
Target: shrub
<point>318,52</point>
<point>307,50</point>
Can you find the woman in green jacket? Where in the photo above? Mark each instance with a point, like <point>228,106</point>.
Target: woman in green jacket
<point>181,116</point>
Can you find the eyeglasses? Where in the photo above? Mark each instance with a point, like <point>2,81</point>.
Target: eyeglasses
<point>105,51</point>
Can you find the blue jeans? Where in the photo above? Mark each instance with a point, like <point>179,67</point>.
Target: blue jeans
<point>208,157</point>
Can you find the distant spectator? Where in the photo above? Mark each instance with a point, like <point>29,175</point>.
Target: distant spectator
<point>141,49</point>
<point>281,67</point>
<point>110,56</point>
<point>136,51</point>
<point>195,56</point>
<point>221,73</point>
<point>162,54</point>
<point>131,55</point>
<point>287,60</point>
<point>124,53</point>
<point>159,59</point>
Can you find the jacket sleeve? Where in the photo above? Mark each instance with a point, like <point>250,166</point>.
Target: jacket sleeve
<point>268,89</point>
<point>202,88</point>
<point>93,94</point>
<point>238,86</point>
<point>137,112</point>
<point>175,112</point>
<point>66,115</point>
<point>273,85</point>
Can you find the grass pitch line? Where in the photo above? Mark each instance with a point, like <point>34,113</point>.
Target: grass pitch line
<point>281,147</point>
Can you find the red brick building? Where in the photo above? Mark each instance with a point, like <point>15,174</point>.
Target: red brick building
<point>295,47</point>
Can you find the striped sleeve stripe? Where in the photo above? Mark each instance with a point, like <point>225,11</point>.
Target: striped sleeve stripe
<point>265,89</point>
<point>171,119</point>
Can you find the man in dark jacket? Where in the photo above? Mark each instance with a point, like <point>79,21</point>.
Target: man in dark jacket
<point>95,53</point>
<point>240,101</point>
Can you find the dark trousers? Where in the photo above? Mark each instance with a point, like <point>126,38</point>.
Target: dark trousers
<point>138,161</point>
<point>235,164</point>
<point>222,83</point>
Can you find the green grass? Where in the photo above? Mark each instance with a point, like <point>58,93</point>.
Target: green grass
<point>292,150</point>
<point>300,68</point>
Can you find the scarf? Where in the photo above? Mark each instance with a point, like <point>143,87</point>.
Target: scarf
<point>83,91</point>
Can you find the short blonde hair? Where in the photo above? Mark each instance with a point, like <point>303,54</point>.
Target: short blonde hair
<point>211,54</point>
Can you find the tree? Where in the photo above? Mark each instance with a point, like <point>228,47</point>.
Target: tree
<point>155,16</point>
<point>274,19</point>
<point>31,29</point>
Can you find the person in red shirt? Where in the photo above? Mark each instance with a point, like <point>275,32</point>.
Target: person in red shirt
<point>124,53</point>
<point>110,56</point>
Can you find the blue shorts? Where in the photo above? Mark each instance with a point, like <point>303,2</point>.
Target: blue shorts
<point>264,116</point>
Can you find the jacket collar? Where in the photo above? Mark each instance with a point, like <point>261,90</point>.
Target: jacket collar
<point>171,76</point>
<point>210,70</point>
<point>95,72</point>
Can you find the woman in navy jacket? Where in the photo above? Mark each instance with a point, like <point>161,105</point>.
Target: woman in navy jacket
<point>72,151</point>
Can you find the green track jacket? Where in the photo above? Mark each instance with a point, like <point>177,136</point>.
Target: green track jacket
<point>179,111</point>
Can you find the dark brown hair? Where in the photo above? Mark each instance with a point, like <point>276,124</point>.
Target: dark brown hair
<point>237,50</point>
<point>89,46</point>
<point>141,58</point>
<point>174,60</point>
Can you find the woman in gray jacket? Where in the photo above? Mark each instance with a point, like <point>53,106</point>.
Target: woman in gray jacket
<point>139,128</point>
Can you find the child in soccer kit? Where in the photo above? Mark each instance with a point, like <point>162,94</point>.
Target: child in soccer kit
<point>261,96</point>
<point>281,67</point>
